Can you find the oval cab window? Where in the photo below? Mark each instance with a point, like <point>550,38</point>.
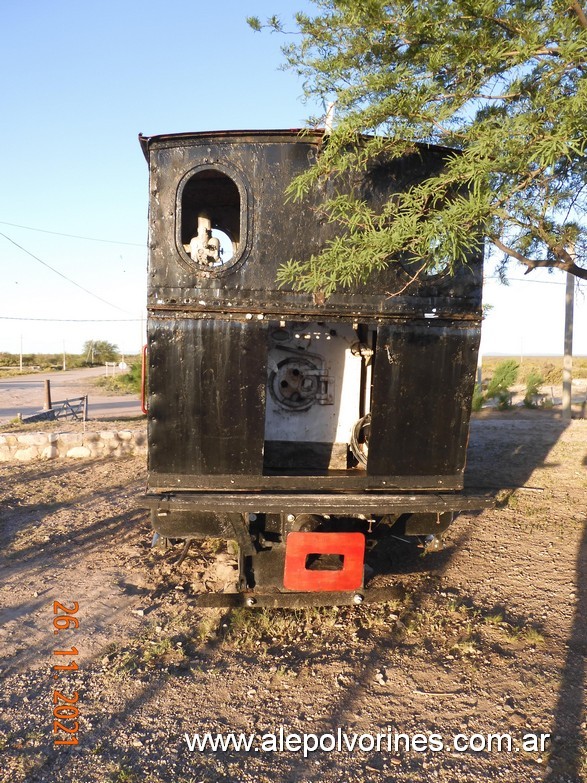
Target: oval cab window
<point>211,220</point>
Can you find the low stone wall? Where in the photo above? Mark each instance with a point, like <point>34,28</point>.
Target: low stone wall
<point>25,447</point>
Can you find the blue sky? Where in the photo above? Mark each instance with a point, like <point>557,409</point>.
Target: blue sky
<point>79,81</point>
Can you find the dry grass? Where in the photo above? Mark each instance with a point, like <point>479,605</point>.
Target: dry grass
<point>548,367</point>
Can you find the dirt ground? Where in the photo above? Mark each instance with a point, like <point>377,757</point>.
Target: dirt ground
<point>490,636</point>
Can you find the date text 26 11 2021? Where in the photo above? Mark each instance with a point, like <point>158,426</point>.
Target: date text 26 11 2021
<point>65,711</point>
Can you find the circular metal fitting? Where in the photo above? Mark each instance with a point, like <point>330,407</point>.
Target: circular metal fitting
<point>294,384</point>
<point>358,598</point>
<point>251,601</point>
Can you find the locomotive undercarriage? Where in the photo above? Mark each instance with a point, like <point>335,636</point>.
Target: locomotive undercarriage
<point>309,558</point>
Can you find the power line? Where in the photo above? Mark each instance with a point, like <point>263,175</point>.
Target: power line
<point>72,236</point>
<point>57,272</point>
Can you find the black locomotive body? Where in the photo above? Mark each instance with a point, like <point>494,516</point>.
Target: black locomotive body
<point>291,425</point>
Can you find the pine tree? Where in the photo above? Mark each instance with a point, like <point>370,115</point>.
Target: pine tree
<point>503,84</point>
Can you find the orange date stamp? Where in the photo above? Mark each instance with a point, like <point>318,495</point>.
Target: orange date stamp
<point>65,711</point>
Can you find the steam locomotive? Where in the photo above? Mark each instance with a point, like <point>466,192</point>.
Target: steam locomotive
<point>304,429</point>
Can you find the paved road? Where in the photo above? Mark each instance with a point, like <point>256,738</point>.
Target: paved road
<point>25,394</point>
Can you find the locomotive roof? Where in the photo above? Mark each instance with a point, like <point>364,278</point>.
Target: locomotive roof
<point>312,135</point>
<point>254,135</point>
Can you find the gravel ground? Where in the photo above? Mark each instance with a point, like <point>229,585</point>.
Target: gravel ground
<point>490,636</point>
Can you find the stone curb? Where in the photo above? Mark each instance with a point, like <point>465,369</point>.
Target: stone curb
<point>27,447</point>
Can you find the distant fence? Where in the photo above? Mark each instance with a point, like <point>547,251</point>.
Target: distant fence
<point>76,408</point>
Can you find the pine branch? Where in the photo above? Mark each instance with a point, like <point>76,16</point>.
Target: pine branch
<point>567,264</point>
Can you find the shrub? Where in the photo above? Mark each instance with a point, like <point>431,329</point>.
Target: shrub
<point>533,383</point>
<point>478,398</point>
<point>504,400</point>
<point>504,376</point>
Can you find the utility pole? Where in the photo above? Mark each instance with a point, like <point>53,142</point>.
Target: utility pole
<point>64,367</point>
<point>568,347</point>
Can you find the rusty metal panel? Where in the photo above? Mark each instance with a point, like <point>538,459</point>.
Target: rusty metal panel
<point>206,396</point>
<point>424,375</point>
